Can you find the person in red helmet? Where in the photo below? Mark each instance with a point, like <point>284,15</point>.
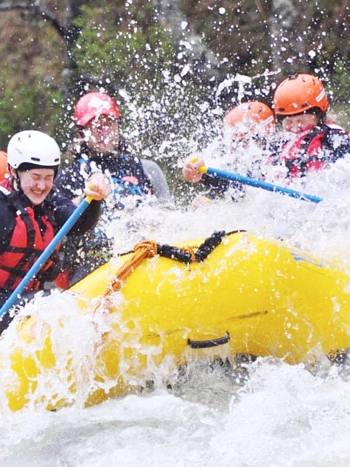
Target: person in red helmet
<point>308,142</point>
<point>246,123</point>
<point>99,147</point>
<point>92,105</point>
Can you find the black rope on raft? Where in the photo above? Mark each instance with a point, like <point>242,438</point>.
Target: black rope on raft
<point>208,246</point>
<point>173,252</point>
<point>184,256</point>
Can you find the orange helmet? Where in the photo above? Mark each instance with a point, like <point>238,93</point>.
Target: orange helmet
<point>3,166</point>
<point>254,114</point>
<point>93,105</point>
<point>298,93</point>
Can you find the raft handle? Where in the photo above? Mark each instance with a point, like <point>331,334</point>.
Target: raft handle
<point>209,343</point>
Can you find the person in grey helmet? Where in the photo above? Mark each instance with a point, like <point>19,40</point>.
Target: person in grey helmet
<point>32,212</point>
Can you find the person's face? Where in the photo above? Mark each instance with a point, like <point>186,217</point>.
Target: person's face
<point>36,184</point>
<point>102,134</point>
<point>299,123</point>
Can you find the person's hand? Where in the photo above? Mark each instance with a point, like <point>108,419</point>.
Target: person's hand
<point>98,187</point>
<point>190,170</point>
<point>200,201</point>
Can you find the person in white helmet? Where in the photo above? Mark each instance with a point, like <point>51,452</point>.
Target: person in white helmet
<point>32,212</point>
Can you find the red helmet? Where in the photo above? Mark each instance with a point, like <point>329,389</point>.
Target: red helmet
<point>251,113</point>
<point>298,93</point>
<point>93,105</point>
<point>3,166</point>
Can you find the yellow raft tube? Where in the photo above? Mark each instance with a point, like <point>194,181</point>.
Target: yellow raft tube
<point>250,295</point>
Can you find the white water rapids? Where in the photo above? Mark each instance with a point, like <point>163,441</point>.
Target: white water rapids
<point>281,415</point>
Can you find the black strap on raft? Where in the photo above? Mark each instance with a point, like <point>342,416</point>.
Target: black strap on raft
<point>174,253</point>
<point>209,343</point>
<point>208,246</point>
<point>185,256</point>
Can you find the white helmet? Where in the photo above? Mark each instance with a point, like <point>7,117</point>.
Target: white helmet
<point>31,149</point>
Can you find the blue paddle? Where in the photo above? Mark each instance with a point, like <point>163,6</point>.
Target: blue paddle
<point>260,184</point>
<point>45,255</point>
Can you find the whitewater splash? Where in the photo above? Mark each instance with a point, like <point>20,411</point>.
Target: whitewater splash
<point>283,416</point>
<point>276,415</point>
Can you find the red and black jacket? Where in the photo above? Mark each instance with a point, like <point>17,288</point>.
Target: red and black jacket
<point>30,236</point>
<point>27,230</point>
<point>313,149</point>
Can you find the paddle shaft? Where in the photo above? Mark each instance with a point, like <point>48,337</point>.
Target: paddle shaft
<point>260,184</point>
<point>45,255</point>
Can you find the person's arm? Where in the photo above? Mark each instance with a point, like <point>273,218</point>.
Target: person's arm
<point>64,208</point>
<point>98,188</point>
<point>190,169</point>
<point>218,187</point>
<point>337,143</point>
<point>7,224</point>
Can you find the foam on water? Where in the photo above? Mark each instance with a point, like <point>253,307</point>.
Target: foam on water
<point>280,416</point>
<point>283,415</point>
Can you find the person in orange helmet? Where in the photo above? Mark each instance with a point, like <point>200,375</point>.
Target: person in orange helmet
<point>250,119</point>
<point>246,123</point>
<point>4,173</point>
<point>308,141</point>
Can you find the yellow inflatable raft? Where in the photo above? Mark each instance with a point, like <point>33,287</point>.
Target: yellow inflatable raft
<point>249,295</point>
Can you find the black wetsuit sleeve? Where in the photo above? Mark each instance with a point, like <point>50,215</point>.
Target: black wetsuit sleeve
<point>337,143</point>
<point>64,208</point>
<point>219,186</point>
<point>7,223</point>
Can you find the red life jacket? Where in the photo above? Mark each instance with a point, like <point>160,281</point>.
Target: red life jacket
<point>26,245</point>
<point>306,152</point>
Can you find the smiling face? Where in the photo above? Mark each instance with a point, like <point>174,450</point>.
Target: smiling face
<point>36,183</point>
<point>102,134</point>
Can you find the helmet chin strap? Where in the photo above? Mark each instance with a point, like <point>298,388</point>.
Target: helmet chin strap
<point>80,131</point>
<point>16,181</point>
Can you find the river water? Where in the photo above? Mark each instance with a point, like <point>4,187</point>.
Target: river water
<point>274,415</point>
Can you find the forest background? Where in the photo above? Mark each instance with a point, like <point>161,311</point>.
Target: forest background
<point>175,67</point>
